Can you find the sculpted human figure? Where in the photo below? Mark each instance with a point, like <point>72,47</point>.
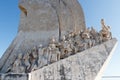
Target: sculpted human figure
<point>77,38</point>
<point>34,59</point>
<point>72,35</point>
<point>35,52</point>
<point>54,51</point>
<point>78,42</point>
<point>18,66</point>
<point>105,27</point>
<point>66,49</point>
<point>41,57</point>
<point>93,33</point>
<point>62,45</point>
<point>40,50</point>
<point>94,36</point>
<point>103,24</point>
<point>71,48</point>
<point>26,61</point>
<point>105,32</point>
<point>85,34</point>
<point>86,39</point>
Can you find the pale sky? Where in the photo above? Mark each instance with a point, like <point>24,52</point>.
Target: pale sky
<point>94,11</point>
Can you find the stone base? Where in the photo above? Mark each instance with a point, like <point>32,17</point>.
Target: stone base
<point>86,65</point>
<point>13,76</point>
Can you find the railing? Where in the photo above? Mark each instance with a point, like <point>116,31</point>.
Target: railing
<point>111,78</point>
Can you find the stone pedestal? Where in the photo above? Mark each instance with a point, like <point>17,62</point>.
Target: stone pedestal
<point>14,76</point>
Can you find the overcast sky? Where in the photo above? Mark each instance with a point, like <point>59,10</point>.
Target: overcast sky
<point>94,11</point>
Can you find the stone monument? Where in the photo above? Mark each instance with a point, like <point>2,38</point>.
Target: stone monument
<point>53,43</point>
<point>40,20</point>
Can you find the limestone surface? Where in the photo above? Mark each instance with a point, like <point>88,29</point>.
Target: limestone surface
<point>14,76</point>
<point>86,65</point>
<point>40,20</point>
<point>85,52</point>
<point>70,44</point>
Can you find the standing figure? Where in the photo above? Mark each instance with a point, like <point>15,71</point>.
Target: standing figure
<point>27,62</point>
<point>66,49</point>
<point>105,32</point>
<point>34,59</point>
<point>54,52</point>
<point>86,39</point>
<point>18,66</point>
<point>94,36</point>
<point>41,56</point>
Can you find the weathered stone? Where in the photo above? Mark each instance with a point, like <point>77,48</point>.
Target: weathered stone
<point>43,19</point>
<point>14,76</point>
<point>87,65</point>
<point>105,32</point>
<point>49,15</point>
<point>40,20</point>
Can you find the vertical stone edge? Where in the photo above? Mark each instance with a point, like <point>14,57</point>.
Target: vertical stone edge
<point>99,75</point>
<point>29,76</point>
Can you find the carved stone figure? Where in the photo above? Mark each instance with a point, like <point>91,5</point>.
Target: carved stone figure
<point>72,46</point>
<point>35,52</point>
<point>66,49</point>
<point>81,46</point>
<point>85,34</point>
<point>26,61</point>
<point>40,50</point>
<point>54,51</point>
<point>86,38</point>
<point>105,32</point>
<point>103,24</point>
<point>9,69</point>
<point>93,33</point>
<point>77,38</point>
<point>34,63</point>
<point>95,37</point>
<point>18,65</point>
<point>70,43</point>
<point>41,57</point>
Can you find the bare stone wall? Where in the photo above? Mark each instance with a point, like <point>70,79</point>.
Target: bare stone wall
<point>46,15</point>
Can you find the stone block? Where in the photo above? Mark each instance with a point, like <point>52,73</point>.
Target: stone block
<point>13,76</point>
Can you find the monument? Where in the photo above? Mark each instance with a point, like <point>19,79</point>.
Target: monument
<point>53,43</point>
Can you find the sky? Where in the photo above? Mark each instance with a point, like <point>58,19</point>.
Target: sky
<point>109,10</point>
<point>94,11</point>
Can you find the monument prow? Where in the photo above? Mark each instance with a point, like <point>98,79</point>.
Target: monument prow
<point>53,43</point>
